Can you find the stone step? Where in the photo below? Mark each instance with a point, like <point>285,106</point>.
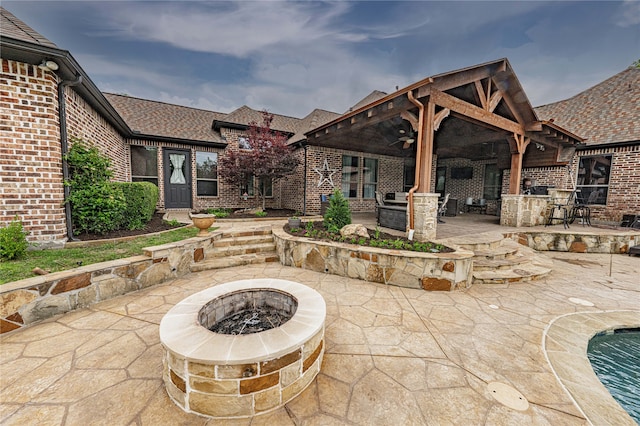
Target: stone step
<point>482,242</point>
<point>238,260</point>
<point>521,273</point>
<point>234,250</point>
<point>511,261</point>
<point>226,241</point>
<point>260,230</point>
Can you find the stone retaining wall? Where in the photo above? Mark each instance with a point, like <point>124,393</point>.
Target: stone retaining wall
<point>577,241</point>
<point>34,299</point>
<point>429,271</point>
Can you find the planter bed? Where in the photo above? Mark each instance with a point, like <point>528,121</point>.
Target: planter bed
<point>428,271</point>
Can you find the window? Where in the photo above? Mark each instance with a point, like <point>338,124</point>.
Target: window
<point>243,143</point>
<point>144,164</point>
<point>207,173</point>
<point>350,166</point>
<point>492,182</point>
<point>441,177</point>
<point>351,172</point>
<point>369,178</point>
<point>264,185</point>
<point>409,176</point>
<point>593,178</point>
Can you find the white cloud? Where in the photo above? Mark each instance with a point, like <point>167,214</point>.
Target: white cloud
<point>629,14</point>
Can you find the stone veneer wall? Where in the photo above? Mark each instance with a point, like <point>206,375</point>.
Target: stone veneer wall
<point>429,271</point>
<point>577,239</point>
<point>425,216</point>
<point>524,210</point>
<point>30,300</point>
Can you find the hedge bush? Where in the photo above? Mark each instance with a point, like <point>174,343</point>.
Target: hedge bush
<point>140,203</point>
<point>13,241</point>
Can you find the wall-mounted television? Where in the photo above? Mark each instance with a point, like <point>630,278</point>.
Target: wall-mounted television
<point>462,173</point>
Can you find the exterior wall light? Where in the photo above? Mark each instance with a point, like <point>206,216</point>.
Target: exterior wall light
<point>48,65</point>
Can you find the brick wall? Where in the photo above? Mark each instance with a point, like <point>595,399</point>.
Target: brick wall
<point>30,158</point>
<point>83,122</point>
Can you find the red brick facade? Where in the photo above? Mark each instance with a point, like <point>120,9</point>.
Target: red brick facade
<point>30,158</point>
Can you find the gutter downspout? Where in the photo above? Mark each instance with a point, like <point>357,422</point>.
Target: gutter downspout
<point>62,115</point>
<point>418,160</point>
<point>304,193</point>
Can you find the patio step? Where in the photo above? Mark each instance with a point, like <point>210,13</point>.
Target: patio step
<point>486,241</point>
<point>506,261</point>
<point>238,260</point>
<point>236,248</point>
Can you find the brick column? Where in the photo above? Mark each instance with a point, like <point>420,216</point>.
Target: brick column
<point>425,206</point>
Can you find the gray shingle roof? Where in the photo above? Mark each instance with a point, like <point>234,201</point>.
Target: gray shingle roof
<point>606,113</point>
<point>10,26</point>
<point>316,118</point>
<point>167,120</point>
<point>370,98</point>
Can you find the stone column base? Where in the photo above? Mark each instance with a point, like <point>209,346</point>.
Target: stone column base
<point>425,213</point>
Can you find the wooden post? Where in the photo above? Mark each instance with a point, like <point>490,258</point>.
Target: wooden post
<point>424,185</point>
<point>518,146</point>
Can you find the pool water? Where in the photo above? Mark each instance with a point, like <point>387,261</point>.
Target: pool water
<point>615,358</point>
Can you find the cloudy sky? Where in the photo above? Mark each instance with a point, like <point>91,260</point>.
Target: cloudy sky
<point>292,57</point>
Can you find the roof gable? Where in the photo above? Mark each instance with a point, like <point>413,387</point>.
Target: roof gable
<point>605,113</point>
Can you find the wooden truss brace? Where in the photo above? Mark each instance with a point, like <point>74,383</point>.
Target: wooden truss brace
<point>518,146</point>
<point>488,101</point>
<point>439,118</point>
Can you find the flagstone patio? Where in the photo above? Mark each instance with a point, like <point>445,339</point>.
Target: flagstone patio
<point>393,355</point>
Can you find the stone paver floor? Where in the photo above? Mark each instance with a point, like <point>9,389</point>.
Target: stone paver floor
<point>393,355</point>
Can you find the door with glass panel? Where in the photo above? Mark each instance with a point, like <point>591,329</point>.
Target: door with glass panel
<point>177,179</point>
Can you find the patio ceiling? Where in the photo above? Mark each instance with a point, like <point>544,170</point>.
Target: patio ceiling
<point>478,111</point>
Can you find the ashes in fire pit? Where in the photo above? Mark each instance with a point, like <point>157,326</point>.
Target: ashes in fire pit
<point>251,321</point>
<point>248,311</point>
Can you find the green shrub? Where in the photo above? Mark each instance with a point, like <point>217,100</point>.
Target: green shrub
<point>97,208</point>
<point>141,199</point>
<point>338,213</point>
<point>96,204</point>
<point>261,213</point>
<point>220,213</point>
<point>13,241</point>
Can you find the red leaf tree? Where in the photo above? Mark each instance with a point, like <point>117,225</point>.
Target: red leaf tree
<point>268,158</point>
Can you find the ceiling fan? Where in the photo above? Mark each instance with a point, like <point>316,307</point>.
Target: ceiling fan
<point>407,134</point>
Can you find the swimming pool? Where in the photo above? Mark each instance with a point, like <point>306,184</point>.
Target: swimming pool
<point>615,358</point>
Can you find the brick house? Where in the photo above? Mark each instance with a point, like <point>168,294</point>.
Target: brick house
<point>482,129</point>
<point>607,166</point>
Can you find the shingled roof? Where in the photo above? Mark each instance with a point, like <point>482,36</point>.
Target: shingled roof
<point>15,28</point>
<point>161,119</point>
<point>608,112</point>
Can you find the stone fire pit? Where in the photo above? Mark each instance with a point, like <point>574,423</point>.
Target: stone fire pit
<point>235,376</point>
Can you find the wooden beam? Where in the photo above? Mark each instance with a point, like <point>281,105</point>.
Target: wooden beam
<point>520,143</point>
<point>411,118</point>
<point>465,108</point>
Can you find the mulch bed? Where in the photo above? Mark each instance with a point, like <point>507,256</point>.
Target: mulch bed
<point>156,224</point>
<point>321,235</point>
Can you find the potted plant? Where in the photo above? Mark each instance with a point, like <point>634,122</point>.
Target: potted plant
<point>295,221</point>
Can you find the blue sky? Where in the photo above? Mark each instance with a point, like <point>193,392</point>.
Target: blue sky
<point>292,57</point>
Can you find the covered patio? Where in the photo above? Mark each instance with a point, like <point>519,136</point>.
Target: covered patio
<point>477,118</point>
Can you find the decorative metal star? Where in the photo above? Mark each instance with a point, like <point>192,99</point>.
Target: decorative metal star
<point>326,174</point>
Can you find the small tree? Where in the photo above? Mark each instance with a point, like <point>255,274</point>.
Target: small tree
<point>269,158</point>
<point>338,213</point>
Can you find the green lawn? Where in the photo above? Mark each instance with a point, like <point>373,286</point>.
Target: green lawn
<point>54,260</point>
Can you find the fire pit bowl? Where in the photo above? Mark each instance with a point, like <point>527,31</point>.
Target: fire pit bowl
<point>242,375</point>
